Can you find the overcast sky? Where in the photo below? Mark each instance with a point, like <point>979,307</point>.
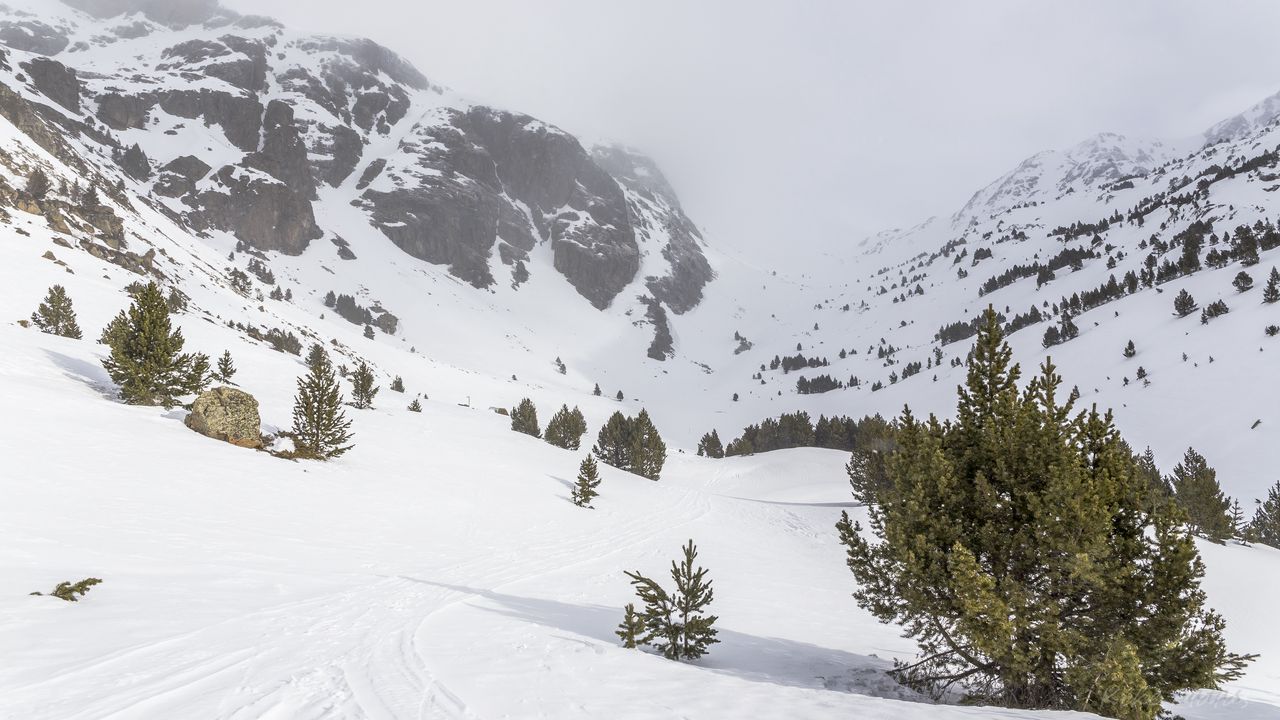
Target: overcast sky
<point>820,122</point>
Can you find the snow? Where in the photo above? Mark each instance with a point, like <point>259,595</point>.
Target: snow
<point>438,570</point>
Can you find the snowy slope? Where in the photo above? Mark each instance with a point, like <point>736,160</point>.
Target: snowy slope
<point>439,570</point>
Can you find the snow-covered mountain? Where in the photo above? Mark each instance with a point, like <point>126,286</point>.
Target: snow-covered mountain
<point>437,570</point>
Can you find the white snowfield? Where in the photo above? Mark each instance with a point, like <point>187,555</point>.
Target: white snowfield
<point>436,571</point>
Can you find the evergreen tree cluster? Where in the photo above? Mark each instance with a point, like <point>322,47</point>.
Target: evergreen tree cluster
<point>566,428</point>
<point>632,444</point>
<point>524,418</point>
<point>819,384</point>
<point>797,429</point>
<point>1019,547</point>
<point>675,623</point>
<point>710,445</point>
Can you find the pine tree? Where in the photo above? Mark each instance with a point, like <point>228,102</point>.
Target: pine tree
<point>524,418</point>
<point>320,428</point>
<point>330,300</point>
<point>1271,293</point>
<point>1184,304</point>
<point>146,358</point>
<point>1130,350</point>
<point>90,201</point>
<point>648,451</point>
<point>1243,281</point>
<point>317,356</point>
<point>368,331</point>
<point>619,396</point>
<point>1239,525</point>
<point>38,184</point>
<point>596,392</point>
<point>613,442</point>
<point>632,628</point>
<point>1265,526</point>
<point>226,367</point>
<point>1017,546</point>
<point>415,406</point>
<point>584,490</point>
<point>362,388</point>
<point>1196,490</point>
<point>55,315</point>
<point>566,428</point>
<point>397,385</point>
<point>710,445</point>
<point>676,624</point>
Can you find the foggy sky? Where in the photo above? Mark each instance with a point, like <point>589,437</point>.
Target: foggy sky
<point>816,123</point>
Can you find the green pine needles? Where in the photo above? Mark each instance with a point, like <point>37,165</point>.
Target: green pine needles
<point>146,358</point>
<point>631,444</point>
<point>72,592</point>
<point>320,428</point>
<point>584,490</point>
<point>676,624</point>
<point>55,315</point>
<point>566,428</point>
<point>524,418</point>
<point>1019,547</point>
<point>362,388</point>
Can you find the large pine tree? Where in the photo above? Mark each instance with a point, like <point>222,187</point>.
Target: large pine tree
<point>566,428</point>
<point>524,418</point>
<point>55,315</point>
<point>1196,490</point>
<point>648,451</point>
<point>711,446</point>
<point>613,442</point>
<point>146,358</point>
<point>320,428</point>
<point>1018,547</point>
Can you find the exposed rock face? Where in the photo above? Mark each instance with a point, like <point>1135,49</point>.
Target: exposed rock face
<point>227,414</point>
<point>446,181</point>
<point>653,206</point>
<point>468,168</point>
<point>33,36</point>
<point>58,82</point>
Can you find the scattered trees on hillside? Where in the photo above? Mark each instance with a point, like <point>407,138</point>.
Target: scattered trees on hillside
<point>1018,547</point>
<point>321,429</point>
<point>676,624</point>
<point>524,418</point>
<point>55,315</point>
<point>1214,309</point>
<point>146,358</point>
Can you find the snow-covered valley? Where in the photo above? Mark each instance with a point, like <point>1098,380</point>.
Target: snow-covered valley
<point>439,568</point>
